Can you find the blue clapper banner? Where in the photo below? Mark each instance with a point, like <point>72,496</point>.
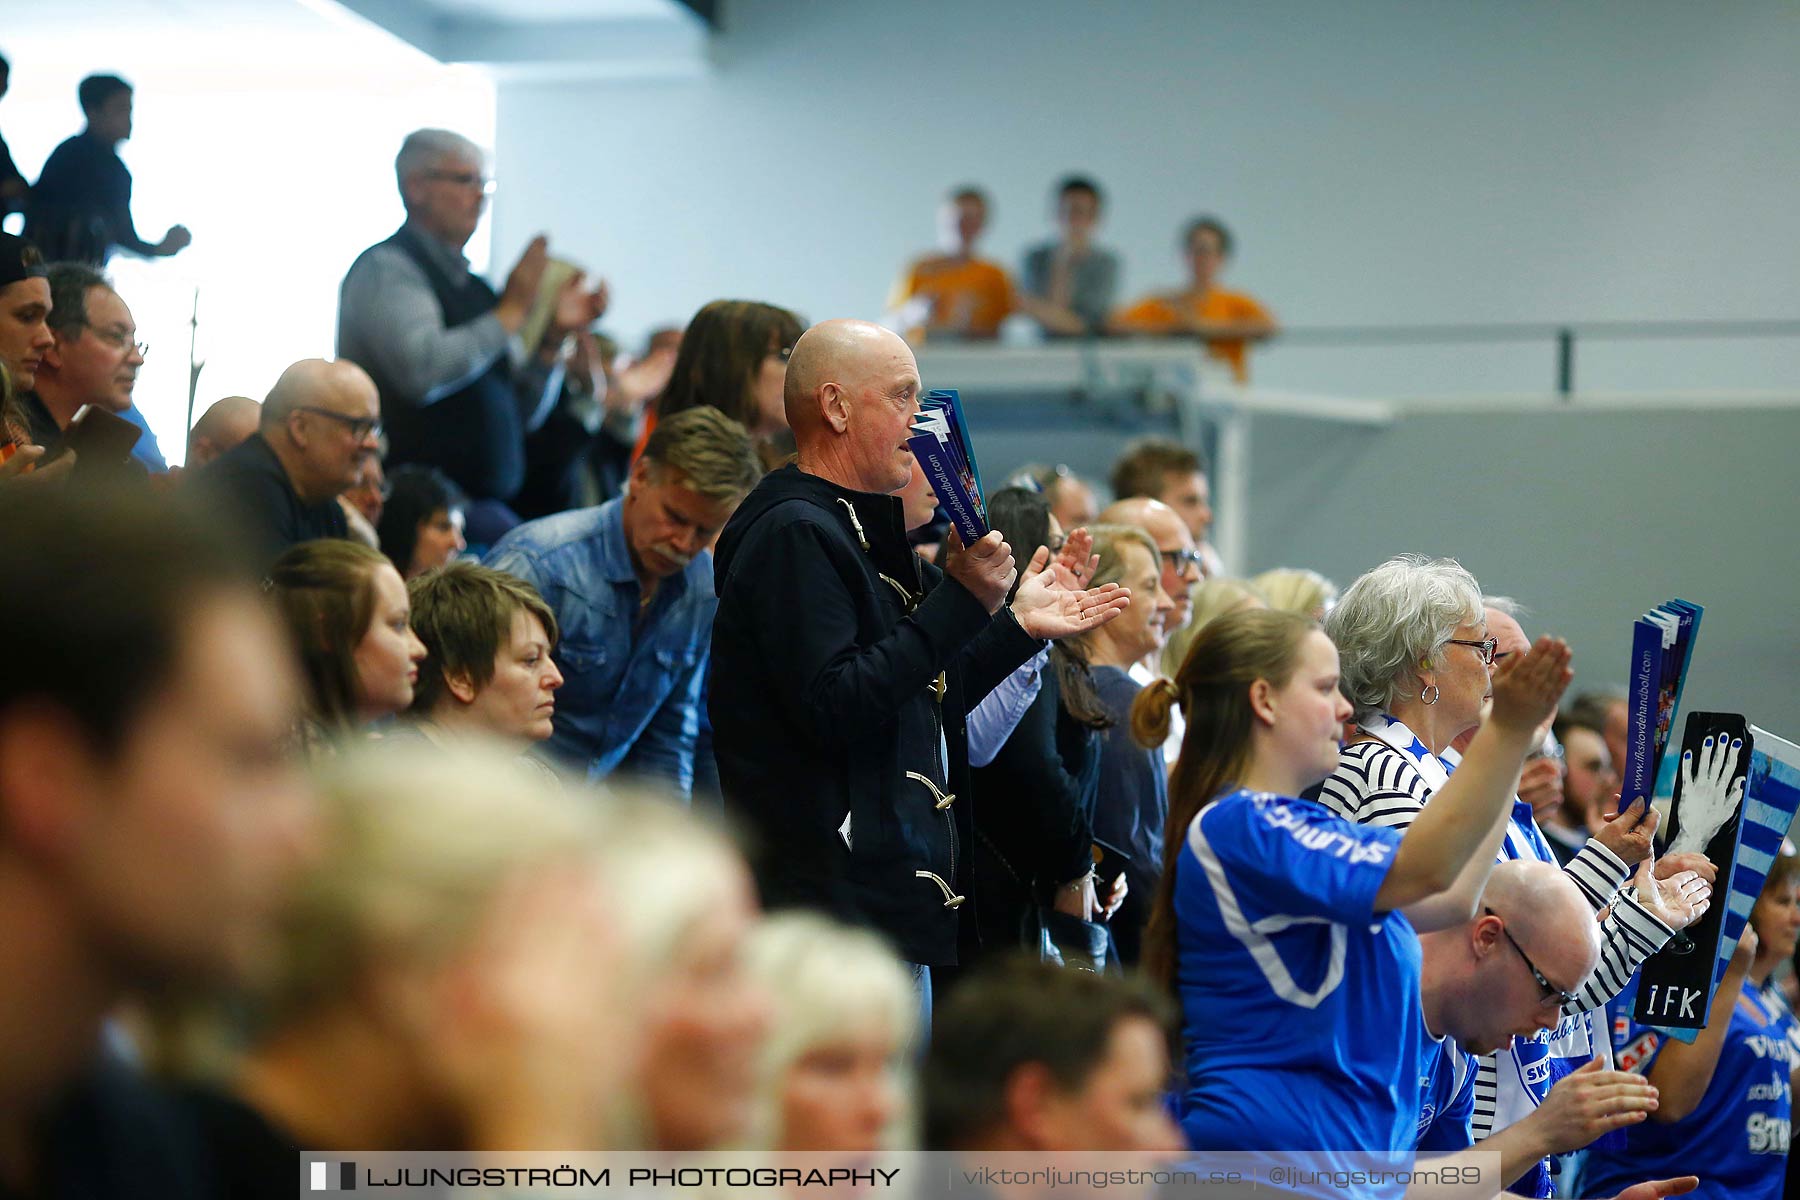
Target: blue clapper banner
<point>940,441</point>
<point>1662,646</point>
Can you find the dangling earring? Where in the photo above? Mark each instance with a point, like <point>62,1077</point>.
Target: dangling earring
<point>1429,695</point>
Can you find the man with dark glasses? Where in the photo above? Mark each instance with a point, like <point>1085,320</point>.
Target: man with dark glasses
<point>319,427</point>
<point>1499,980</point>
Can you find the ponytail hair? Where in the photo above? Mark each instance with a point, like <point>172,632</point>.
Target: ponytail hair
<point>1150,712</point>
<point>1213,688</point>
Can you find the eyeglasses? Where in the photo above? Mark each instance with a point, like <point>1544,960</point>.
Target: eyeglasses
<point>361,428</point>
<point>464,179</point>
<point>1487,647</point>
<point>1181,560</point>
<point>1552,995</point>
<point>120,339</point>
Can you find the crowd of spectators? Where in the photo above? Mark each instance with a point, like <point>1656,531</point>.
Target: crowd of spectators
<point>349,801</point>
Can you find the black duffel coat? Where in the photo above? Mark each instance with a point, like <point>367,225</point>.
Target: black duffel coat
<point>843,669</point>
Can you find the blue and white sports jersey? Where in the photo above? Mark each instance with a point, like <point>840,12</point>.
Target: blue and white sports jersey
<point>1736,1141</point>
<point>1446,1096</point>
<point>1300,1003</point>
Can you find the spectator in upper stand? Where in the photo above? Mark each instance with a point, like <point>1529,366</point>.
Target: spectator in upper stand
<point>349,616</point>
<point>13,189</point>
<point>631,584</point>
<point>319,426</point>
<point>94,357</point>
<point>25,335</point>
<point>954,294</point>
<point>150,819</point>
<point>734,358</point>
<point>1132,793</point>
<point>224,426</point>
<point>833,1068</point>
<point>80,208</point>
<point>421,526</point>
<point>1168,471</point>
<point>459,389</point>
<point>1226,321</point>
<point>1180,564</point>
<point>487,671</point>
<point>1035,1057</point>
<point>1071,499</point>
<point>845,666</point>
<point>1068,285</point>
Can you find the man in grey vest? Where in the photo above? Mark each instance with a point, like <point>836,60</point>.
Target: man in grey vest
<point>459,388</point>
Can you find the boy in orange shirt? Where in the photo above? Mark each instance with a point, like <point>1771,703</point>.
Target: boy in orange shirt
<point>955,294</point>
<point>1228,321</point>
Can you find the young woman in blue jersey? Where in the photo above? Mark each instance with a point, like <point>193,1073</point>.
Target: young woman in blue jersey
<point>1726,1099</point>
<point>1288,933</point>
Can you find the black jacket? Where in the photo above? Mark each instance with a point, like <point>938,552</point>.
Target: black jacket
<point>253,485</point>
<point>1034,830</point>
<point>826,703</point>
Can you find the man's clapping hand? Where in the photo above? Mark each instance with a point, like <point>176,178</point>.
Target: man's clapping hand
<point>522,284</point>
<point>577,308</point>
<point>1050,604</point>
<point>985,569</point>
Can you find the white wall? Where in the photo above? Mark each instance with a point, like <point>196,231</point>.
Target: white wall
<point>1588,517</point>
<point>280,162</point>
<point>1384,161</point>
<point>1588,514</point>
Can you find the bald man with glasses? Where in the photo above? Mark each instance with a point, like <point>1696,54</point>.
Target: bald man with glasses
<point>1506,975</point>
<point>319,427</point>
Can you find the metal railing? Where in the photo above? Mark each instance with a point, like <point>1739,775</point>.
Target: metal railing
<point>1563,337</point>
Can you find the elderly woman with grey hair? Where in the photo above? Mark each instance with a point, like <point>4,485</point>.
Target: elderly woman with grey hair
<point>1415,653</point>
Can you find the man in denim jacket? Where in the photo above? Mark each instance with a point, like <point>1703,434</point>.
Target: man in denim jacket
<point>631,583</point>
